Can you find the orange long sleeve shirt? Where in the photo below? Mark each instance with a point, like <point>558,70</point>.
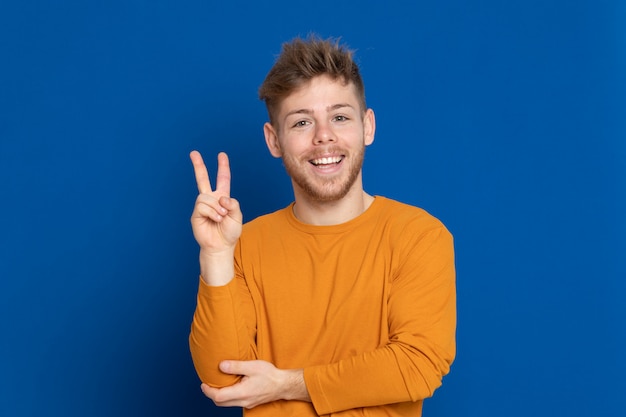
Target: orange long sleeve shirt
<point>367,308</point>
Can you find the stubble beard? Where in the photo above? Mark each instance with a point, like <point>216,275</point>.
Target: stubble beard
<point>325,190</point>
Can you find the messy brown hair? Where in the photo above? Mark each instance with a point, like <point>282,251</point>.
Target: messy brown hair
<point>303,59</point>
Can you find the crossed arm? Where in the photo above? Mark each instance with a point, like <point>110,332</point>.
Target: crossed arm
<point>408,368</point>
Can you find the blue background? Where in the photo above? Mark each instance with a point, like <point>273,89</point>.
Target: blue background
<point>505,119</point>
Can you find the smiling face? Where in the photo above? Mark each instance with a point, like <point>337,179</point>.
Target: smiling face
<point>320,133</point>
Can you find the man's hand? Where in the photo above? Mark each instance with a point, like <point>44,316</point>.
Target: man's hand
<point>262,383</point>
<point>216,221</point>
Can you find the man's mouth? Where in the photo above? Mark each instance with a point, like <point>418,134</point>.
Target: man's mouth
<point>326,161</point>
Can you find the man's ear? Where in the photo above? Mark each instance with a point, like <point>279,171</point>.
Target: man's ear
<point>369,127</point>
<point>271,140</point>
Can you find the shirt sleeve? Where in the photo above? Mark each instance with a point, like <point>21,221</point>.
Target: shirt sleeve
<point>222,328</point>
<point>421,345</point>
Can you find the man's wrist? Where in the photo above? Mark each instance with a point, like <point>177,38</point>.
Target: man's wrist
<point>217,269</point>
<point>295,387</point>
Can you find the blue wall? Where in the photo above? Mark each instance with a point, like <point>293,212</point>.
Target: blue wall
<point>504,119</point>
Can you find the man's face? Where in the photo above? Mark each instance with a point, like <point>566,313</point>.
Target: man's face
<point>321,133</point>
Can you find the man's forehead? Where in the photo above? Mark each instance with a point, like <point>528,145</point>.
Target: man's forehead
<point>325,93</point>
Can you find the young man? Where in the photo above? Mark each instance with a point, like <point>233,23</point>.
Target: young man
<point>341,303</point>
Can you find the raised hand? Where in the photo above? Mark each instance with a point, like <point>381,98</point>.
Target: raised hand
<point>216,221</point>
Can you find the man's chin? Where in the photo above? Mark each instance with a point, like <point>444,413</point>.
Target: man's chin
<point>326,194</point>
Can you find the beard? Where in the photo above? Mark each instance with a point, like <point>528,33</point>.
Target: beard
<point>325,189</point>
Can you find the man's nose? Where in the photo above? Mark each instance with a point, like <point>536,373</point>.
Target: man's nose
<point>323,134</point>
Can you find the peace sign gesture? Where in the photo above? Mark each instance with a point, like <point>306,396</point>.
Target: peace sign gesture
<point>216,220</point>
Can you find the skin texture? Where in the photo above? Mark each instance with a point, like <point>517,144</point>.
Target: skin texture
<point>321,133</point>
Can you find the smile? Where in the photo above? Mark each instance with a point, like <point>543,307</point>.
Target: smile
<point>326,161</point>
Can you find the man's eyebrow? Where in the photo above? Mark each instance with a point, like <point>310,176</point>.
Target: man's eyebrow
<point>299,111</point>
<point>329,108</point>
<point>339,106</point>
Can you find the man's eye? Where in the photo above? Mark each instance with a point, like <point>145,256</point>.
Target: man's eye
<point>301,123</point>
<point>340,118</point>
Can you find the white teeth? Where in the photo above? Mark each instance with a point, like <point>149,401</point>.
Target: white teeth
<point>326,161</point>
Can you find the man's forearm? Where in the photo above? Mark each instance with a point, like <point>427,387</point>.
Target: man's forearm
<point>219,332</point>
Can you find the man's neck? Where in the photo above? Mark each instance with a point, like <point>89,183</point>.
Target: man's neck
<point>327,213</point>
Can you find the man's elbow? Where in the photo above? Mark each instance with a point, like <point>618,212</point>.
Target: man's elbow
<point>427,375</point>
<point>207,367</point>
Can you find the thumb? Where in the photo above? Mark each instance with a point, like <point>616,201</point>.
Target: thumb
<point>232,205</point>
<point>228,202</point>
<point>235,367</point>
<point>228,367</point>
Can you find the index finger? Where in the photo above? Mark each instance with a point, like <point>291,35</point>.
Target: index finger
<point>202,175</point>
